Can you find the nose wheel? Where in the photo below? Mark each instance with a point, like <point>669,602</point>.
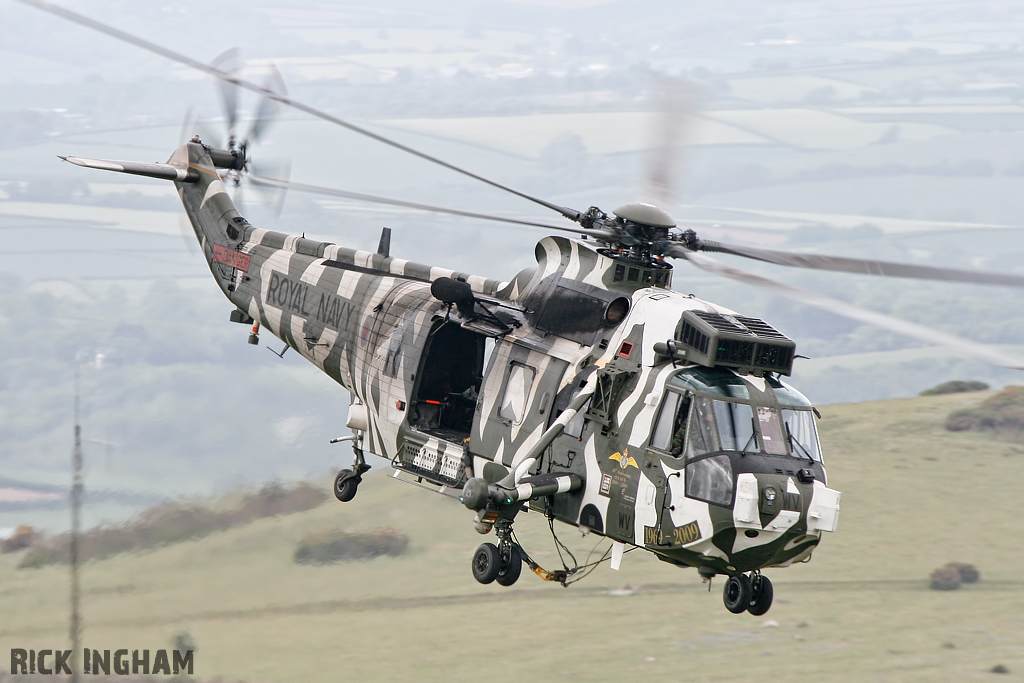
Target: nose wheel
<point>486,563</point>
<point>752,593</point>
<point>498,563</point>
<point>511,566</point>
<point>761,594</point>
<point>502,563</point>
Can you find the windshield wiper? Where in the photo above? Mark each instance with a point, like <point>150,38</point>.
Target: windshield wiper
<point>753,435</point>
<point>796,444</point>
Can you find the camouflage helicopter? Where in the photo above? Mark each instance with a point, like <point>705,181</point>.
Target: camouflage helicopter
<point>584,388</point>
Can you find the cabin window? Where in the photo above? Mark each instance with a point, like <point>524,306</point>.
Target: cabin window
<point>517,391</point>
<point>802,434</point>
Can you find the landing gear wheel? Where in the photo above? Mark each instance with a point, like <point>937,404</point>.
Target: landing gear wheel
<point>737,593</point>
<point>511,567</point>
<point>345,485</point>
<point>761,595</point>
<point>486,563</point>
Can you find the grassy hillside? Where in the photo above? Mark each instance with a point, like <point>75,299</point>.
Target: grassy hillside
<point>914,497</point>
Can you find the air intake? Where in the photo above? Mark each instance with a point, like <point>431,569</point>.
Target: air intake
<point>734,341</point>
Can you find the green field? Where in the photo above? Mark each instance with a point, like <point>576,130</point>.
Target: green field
<point>914,498</point>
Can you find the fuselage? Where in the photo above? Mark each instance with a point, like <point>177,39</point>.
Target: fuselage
<point>705,466</point>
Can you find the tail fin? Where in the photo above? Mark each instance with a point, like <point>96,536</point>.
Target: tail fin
<point>193,169</point>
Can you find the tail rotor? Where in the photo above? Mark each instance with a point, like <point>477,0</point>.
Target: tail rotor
<point>241,147</point>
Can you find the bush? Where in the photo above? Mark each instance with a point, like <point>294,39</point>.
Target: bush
<point>273,500</point>
<point>1002,413</point>
<point>173,523</point>
<point>946,579</point>
<point>23,537</point>
<point>968,572</point>
<point>957,386</point>
<point>325,546</point>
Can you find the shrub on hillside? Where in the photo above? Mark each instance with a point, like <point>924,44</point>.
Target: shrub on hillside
<point>23,537</point>
<point>968,572</point>
<point>170,523</point>
<point>274,499</point>
<point>334,545</point>
<point>957,386</point>
<point>950,576</point>
<point>1002,413</point>
<point>946,579</point>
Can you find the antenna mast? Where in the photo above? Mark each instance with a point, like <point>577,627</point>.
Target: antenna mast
<point>76,506</point>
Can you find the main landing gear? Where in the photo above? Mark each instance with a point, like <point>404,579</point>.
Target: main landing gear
<point>347,482</point>
<point>752,593</point>
<point>502,563</point>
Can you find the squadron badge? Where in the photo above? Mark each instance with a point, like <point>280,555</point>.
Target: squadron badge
<point>624,459</point>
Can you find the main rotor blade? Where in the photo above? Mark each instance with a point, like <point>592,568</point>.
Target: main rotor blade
<point>674,99</point>
<point>81,20</point>
<point>375,199</point>
<point>863,266</point>
<point>847,310</point>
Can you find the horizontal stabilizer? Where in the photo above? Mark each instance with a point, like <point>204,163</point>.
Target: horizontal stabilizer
<point>150,170</point>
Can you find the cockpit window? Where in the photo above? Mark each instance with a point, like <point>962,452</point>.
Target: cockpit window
<point>787,395</point>
<point>714,381</point>
<point>772,432</point>
<point>696,425</point>
<point>670,430</point>
<point>702,436</point>
<point>802,433</point>
<point>663,429</point>
<point>735,426</point>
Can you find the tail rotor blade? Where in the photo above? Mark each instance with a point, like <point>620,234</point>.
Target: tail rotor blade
<point>189,127</point>
<point>229,62</point>
<point>271,194</point>
<point>194,124</point>
<point>269,108</point>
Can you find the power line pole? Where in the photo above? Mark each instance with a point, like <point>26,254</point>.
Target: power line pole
<point>76,507</point>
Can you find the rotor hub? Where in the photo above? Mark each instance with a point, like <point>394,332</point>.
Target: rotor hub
<point>643,213</point>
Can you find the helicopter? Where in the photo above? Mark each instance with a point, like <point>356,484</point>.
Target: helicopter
<point>585,388</point>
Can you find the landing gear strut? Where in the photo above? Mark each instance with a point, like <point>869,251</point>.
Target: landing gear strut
<point>503,562</point>
<point>752,593</point>
<point>346,483</point>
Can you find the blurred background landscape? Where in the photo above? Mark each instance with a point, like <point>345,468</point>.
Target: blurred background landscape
<point>851,127</point>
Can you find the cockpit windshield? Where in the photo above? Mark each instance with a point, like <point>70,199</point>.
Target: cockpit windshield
<point>803,434</point>
<point>708,410</point>
<point>773,437</point>
<point>735,426</point>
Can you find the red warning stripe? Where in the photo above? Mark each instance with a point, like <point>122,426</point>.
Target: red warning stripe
<point>230,257</point>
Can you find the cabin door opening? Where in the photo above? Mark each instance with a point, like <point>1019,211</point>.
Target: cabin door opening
<point>448,383</point>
